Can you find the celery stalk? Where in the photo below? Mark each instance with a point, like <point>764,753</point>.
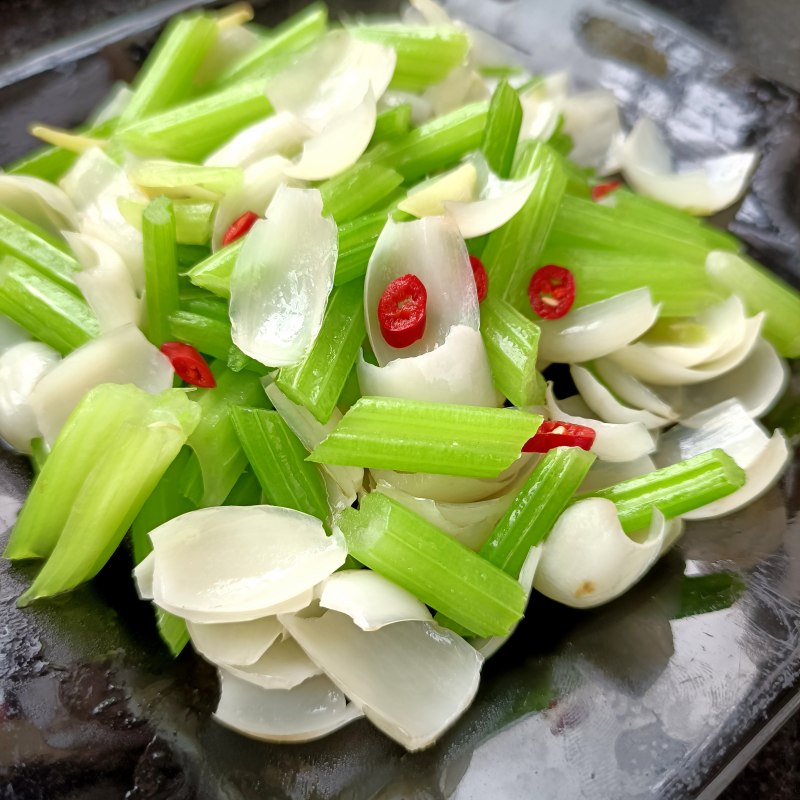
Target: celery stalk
<point>189,255</point>
<point>144,437</point>
<point>502,129</point>
<point>205,304</point>
<point>674,490</point>
<point>392,123</point>
<point>193,219</point>
<point>414,436</point>
<point>278,460</point>
<point>534,511</point>
<point>513,251</point>
<point>356,242</point>
<point>160,268</point>
<point>357,190</point>
<point>437,569</point>
<point>173,631</point>
<point>192,130</point>
<point>246,491</point>
<point>167,75</point>
<point>351,391</point>
<point>317,381</point>
<point>214,272</point>
<point>46,310</point>
<point>512,344</point>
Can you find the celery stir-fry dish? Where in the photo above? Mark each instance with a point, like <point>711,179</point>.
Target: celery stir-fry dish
<point>358,333</point>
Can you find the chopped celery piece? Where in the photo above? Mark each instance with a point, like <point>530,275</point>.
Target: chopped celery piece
<point>246,491</point>
<point>512,343</point>
<point>173,631</point>
<point>761,291</point>
<point>214,442</point>
<point>160,268</point>
<point>193,218</point>
<point>351,391</point>
<point>513,251</point>
<point>674,490</point>
<point>181,176</point>
<point>189,255</point>
<point>561,143</point>
<point>440,571</point>
<point>356,242</point>
<point>39,453</point>
<point>502,129</point>
<point>317,381</point>
<point>214,272</point>
<point>24,240</point>
<point>391,123</point>
<point>435,145</point>
<point>167,75</point>
<point>207,305</point>
<point>414,436</point>
<point>357,190</point>
<point>144,433</point>
<point>291,35</point>
<point>534,511</point>
<point>190,484</point>
<point>46,310</point>
<point>425,54</point>
<point>192,130</point>
<point>278,460</point>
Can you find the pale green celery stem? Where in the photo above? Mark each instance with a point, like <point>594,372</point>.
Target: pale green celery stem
<point>214,272</point>
<point>357,190</point>
<point>173,631</point>
<point>392,123</point>
<point>193,220</point>
<point>246,491</point>
<point>160,268</point>
<point>502,129</point>
<point>357,240</point>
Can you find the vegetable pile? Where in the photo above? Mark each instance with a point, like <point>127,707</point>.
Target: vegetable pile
<point>285,310</point>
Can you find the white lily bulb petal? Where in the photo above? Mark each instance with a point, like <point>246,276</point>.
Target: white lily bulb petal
<point>603,403</point>
<point>603,474</point>
<point>11,334</point>
<point>591,120</point>
<point>430,12</point>
<point>260,182</point>
<point>230,44</point>
<point>716,184</point>
<point>339,144</point>
<point>588,559</point>
<point>456,372</point>
<point>370,600</point>
<point>597,329</point>
<point>613,442</point>
<point>427,199</point>
<point>541,106</point>
<point>40,201</point>
<point>21,368</point>
<point>122,355</point>
<point>432,249</point>
<point>105,282</point>
<point>673,531</point>
<point>240,562</point>
<point>461,86</point>
<point>411,679</point>
<point>282,278</point>
<point>307,712</point>
<point>282,134</point>
<point>144,576</point>
<point>283,666</point>
<point>237,643</point>
<point>631,390</point>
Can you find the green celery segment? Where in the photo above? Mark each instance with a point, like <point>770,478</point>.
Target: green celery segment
<point>357,190</point>
<point>441,572</point>
<point>502,129</point>
<point>351,391</point>
<point>246,491</point>
<point>45,309</point>
<point>214,273</point>
<point>160,268</point>
<point>356,242</point>
<point>173,631</point>
<point>194,219</point>
<point>512,344</point>
<point>197,301</point>
<point>392,123</point>
<point>317,381</point>
<point>674,490</point>
<point>415,436</point>
<point>278,460</point>
<point>189,255</point>
<point>533,512</point>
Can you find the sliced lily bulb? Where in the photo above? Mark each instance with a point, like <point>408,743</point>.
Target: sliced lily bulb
<point>613,442</point>
<point>282,278</point>
<point>105,282</point>
<point>144,575</point>
<point>238,563</point>
<point>331,78</point>
<point>307,712</point>
<point>370,600</point>
<point>608,408</point>
<point>428,12</point>
<point>122,355</point>
<point>714,185</point>
<point>591,120</point>
<point>260,182</point>
<point>22,366</point>
<point>231,44</point>
<point>339,144</point>
<point>597,329</point>
<point>463,85</point>
<point>237,643</point>
<point>456,372</point>
<point>40,201</point>
<point>434,251</point>
<point>283,666</point>
<point>603,474</point>
<point>427,199</point>
<point>541,106</point>
<point>588,559</point>
<point>412,680</point>
<point>673,531</point>
<point>631,390</point>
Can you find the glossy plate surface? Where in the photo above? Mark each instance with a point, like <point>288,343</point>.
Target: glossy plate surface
<point>645,698</point>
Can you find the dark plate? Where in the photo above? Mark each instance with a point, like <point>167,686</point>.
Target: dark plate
<point>665,693</point>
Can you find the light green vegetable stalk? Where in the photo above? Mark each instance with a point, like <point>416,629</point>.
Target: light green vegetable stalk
<point>214,272</point>
<point>358,189</point>
<point>392,123</point>
<point>356,242</point>
<point>160,268</point>
<point>502,129</point>
<point>193,218</point>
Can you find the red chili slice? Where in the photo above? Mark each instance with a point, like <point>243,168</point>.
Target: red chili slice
<point>480,276</point>
<point>401,311</point>
<point>553,433</point>
<point>188,364</point>
<point>239,227</point>
<point>552,291</point>
<point>602,189</point>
